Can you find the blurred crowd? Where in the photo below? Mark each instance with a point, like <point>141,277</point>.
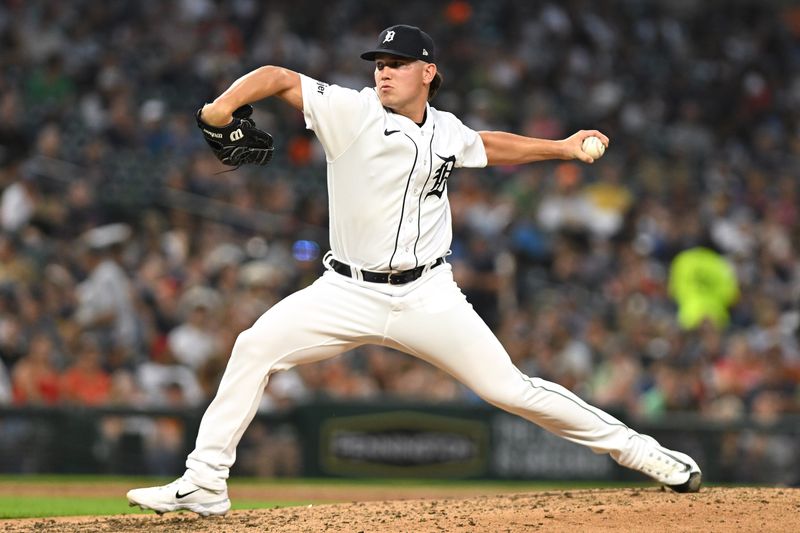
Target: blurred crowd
<point>129,263</point>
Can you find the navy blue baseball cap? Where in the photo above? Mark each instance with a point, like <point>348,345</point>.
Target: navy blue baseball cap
<point>404,41</point>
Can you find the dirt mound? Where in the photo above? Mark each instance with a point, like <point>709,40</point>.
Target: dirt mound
<point>713,509</point>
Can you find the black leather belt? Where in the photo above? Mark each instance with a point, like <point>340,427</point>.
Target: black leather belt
<point>392,278</point>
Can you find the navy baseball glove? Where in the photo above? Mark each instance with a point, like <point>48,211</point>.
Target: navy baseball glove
<point>239,142</point>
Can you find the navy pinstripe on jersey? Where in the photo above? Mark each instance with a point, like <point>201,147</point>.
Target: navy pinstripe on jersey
<point>403,209</point>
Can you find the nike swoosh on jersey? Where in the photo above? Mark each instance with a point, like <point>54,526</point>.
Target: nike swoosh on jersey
<point>178,494</point>
<point>389,132</point>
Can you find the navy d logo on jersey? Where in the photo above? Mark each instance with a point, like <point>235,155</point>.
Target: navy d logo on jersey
<point>441,175</point>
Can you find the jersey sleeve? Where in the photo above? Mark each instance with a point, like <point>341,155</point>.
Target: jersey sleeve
<point>473,153</point>
<point>335,114</point>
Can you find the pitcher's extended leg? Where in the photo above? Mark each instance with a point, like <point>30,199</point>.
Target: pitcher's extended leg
<point>452,336</point>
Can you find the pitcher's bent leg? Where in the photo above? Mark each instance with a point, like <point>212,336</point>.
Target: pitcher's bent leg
<point>300,329</point>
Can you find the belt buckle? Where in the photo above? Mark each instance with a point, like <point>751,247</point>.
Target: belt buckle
<point>398,278</point>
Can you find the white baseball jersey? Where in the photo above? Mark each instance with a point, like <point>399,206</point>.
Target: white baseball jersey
<point>387,176</point>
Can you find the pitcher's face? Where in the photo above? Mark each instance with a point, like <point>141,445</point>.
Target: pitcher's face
<point>400,81</point>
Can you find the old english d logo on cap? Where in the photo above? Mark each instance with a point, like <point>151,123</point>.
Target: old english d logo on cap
<point>404,41</point>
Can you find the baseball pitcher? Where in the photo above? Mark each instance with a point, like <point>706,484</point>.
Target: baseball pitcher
<point>389,157</point>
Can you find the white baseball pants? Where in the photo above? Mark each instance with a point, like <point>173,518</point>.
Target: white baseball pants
<point>428,318</point>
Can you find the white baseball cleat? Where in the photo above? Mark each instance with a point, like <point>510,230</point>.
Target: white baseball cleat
<point>674,469</point>
<point>181,495</point>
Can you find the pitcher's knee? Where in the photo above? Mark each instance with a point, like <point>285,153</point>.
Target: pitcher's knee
<point>249,344</point>
<point>262,348</point>
<point>244,341</point>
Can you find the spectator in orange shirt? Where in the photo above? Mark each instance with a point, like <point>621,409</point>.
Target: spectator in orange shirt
<point>35,379</point>
<point>85,382</point>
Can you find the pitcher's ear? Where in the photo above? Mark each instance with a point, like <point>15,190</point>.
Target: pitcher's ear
<point>436,83</point>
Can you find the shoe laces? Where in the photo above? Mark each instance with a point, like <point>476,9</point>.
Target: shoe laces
<point>659,464</point>
<point>173,484</point>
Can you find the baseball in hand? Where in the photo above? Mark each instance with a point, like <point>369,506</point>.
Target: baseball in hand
<point>594,147</point>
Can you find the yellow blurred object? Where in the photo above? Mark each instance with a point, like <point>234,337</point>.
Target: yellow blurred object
<point>609,196</point>
<point>704,285</point>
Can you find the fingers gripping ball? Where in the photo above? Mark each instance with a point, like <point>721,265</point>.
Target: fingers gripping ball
<point>239,142</point>
<point>593,147</point>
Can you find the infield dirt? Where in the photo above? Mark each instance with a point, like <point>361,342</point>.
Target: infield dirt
<point>640,509</point>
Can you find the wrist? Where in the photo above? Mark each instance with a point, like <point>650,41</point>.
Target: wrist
<point>563,150</point>
<point>559,149</point>
<point>216,114</point>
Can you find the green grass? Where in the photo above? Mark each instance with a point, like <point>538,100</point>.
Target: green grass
<point>38,507</point>
<point>32,506</point>
<point>29,506</point>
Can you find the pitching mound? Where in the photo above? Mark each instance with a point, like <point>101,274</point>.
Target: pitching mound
<point>714,509</point>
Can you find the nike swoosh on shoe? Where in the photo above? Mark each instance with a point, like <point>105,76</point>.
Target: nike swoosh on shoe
<point>178,494</point>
